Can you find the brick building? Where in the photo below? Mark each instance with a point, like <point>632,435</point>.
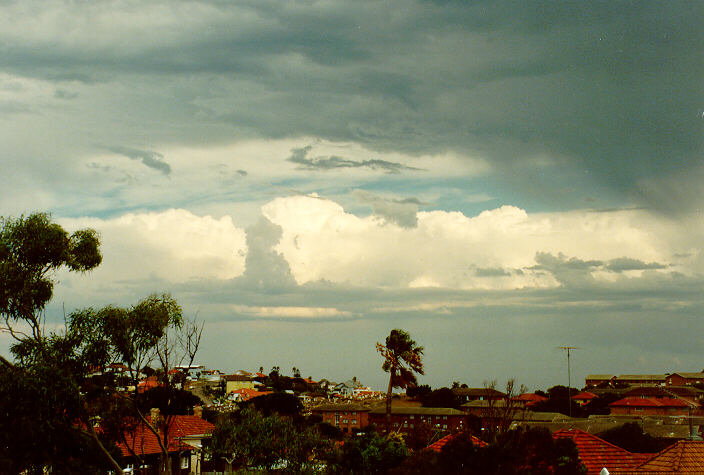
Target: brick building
<point>684,379</point>
<point>650,406</point>
<point>347,417</point>
<point>404,419</point>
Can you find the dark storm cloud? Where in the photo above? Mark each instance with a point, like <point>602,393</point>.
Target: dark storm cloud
<point>151,159</point>
<point>605,95</point>
<point>300,157</point>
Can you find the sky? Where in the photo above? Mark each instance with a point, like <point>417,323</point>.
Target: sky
<point>497,178</point>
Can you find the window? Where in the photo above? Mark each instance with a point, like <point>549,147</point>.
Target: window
<point>444,417</point>
<point>185,461</point>
<point>412,416</point>
<point>344,421</point>
<point>444,426</point>
<point>354,421</point>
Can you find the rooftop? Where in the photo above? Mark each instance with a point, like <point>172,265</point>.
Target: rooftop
<point>685,456</point>
<point>596,453</point>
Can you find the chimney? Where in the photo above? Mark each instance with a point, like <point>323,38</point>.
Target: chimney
<point>198,411</point>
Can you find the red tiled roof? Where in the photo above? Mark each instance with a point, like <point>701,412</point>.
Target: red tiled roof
<point>437,446</point>
<point>685,456</point>
<point>144,442</point>
<point>530,397</point>
<point>649,402</point>
<point>596,453</point>
<point>584,395</point>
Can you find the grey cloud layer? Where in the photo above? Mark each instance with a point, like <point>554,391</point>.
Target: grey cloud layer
<point>608,92</point>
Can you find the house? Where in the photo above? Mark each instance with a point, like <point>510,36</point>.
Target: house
<point>365,392</point>
<point>684,379</point>
<point>641,379</point>
<point>347,417</point>
<point>186,436</point>
<point>237,381</point>
<point>685,456</point>
<point>596,453</point>
<point>346,388</point>
<point>689,393</point>
<point>148,383</point>
<point>478,394</point>
<point>489,408</point>
<point>529,399</point>
<point>593,380</point>
<point>645,392</point>
<point>245,394</point>
<point>583,397</point>
<point>651,406</point>
<point>404,419</point>
<point>192,371</point>
<point>495,414</point>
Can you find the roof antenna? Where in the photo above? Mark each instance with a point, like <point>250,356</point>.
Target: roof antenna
<point>569,378</point>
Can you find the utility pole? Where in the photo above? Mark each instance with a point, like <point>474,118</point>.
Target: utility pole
<point>569,377</point>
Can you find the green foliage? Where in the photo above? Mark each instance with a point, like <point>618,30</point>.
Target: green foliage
<point>443,397</point>
<point>41,411</point>
<point>600,405</point>
<point>402,359</point>
<point>250,439</point>
<point>31,249</point>
<point>417,392</point>
<point>167,400</point>
<point>279,403</point>
<point>559,401</point>
<point>369,452</point>
<point>421,435</point>
<point>126,335</point>
<point>516,452</point>
<point>48,396</point>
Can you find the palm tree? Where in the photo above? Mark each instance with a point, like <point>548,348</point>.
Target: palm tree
<point>402,359</point>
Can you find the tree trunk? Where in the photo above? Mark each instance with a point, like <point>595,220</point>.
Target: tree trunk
<point>388,401</point>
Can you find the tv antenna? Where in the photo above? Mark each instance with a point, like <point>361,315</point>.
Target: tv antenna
<point>569,377</point>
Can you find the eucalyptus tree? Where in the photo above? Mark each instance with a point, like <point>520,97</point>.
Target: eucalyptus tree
<point>49,390</point>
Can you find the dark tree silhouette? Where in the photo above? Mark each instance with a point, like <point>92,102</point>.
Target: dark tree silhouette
<point>402,359</point>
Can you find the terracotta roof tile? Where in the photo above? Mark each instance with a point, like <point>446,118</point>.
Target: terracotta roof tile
<point>685,456</point>
<point>584,395</point>
<point>650,402</point>
<point>144,442</point>
<point>596,453</point>
<point>437,446</point>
